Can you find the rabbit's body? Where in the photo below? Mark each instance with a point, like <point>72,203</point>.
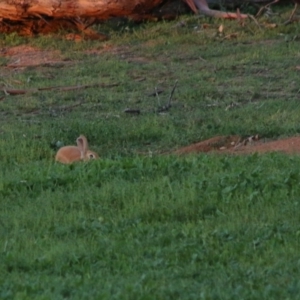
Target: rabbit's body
<point>70,154</point>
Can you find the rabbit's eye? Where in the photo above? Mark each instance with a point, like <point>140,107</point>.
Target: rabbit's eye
<point>91,156</point>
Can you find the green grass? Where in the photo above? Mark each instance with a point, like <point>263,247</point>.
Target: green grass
<point>137,224</point>
<point>197,227</point>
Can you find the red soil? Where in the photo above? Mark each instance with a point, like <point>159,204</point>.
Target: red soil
<point>236,145</point>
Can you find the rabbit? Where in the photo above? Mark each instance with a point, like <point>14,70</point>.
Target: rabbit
<point>70,154</point>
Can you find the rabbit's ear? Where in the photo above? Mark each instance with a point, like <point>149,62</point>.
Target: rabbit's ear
<point>82,145</point>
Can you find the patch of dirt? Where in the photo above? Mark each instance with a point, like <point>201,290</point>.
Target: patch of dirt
<point>108,48</point>
<point>237,145</point>
<point>26,56</point>
<point>122,52</point>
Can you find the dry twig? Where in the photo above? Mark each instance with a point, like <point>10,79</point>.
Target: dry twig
<point>14,92</point>
<point>168,106</point>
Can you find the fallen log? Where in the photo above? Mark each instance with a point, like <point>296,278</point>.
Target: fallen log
<point>29,17</point>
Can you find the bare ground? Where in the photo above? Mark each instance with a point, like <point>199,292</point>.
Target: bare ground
<point>236,145</point>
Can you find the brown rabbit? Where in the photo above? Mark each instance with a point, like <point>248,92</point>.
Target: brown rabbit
<point>70,154</point>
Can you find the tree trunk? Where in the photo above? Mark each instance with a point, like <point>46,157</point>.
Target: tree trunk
<point>43,16</point>
<point>101,9</point>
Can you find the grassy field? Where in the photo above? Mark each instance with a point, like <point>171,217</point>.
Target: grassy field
<point>137,224</point>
